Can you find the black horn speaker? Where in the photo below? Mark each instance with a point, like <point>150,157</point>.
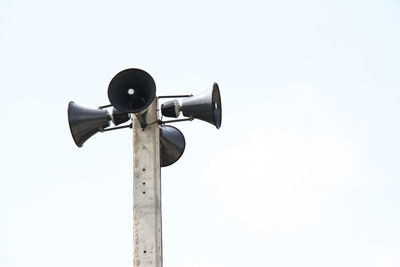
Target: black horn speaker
<point>172,145</point>
<point>205,106</point>
<point>85,122</point>
<point>131,90</point>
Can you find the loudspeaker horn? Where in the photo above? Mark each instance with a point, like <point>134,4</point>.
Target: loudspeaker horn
<point>131,90</point>
<point>172,145</point>
<point>205,106</point>
<point>85,122</point>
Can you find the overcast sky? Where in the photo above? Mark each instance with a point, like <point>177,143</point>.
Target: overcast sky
<point>303,172</point>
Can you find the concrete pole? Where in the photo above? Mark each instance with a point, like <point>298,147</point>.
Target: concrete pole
<point>147,236</point>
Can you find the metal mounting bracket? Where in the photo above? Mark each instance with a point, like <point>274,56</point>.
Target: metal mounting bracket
<point>142,119</point>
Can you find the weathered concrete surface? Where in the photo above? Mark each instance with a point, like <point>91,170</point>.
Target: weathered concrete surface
<point>147,192</point>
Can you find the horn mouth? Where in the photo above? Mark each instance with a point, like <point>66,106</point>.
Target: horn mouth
<point>216,106</point>
<point>70,104</point>
<point>131,90</point>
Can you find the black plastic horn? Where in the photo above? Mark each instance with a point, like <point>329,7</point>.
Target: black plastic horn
<point>131,90</point>
<point>172,145</point>
<point>85,122</point>
<point>205,106</point>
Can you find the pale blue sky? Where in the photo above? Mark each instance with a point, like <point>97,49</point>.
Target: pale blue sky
<point>303,172</point>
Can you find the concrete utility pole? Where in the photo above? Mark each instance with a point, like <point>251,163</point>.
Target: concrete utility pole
<point>147,236</point>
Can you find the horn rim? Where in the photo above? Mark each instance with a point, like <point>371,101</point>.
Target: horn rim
<point>216,95</point>
<point>69,123</point>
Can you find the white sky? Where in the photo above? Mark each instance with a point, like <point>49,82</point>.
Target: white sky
<point>303,172</point>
